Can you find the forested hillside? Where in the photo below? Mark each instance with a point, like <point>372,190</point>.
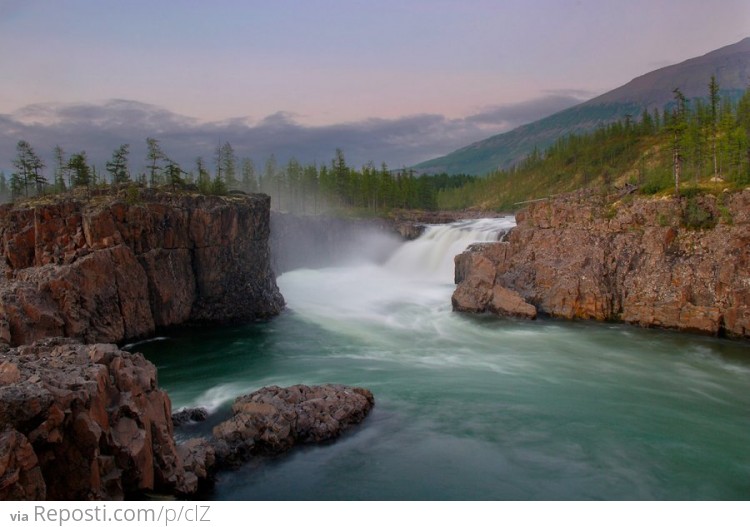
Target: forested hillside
<point>703,142</point>
<point>730,66</point>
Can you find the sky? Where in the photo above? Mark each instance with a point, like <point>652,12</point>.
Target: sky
<point>394,81</point>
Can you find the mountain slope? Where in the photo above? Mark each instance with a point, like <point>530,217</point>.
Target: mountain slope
<point>730,64</point>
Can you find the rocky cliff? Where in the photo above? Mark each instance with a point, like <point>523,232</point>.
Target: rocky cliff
<point>670,263</point>
<point>110,268</point>
<point>84,422</point>
<point>90,422</point>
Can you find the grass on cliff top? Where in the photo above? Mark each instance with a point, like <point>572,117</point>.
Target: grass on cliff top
<point>105,194</point>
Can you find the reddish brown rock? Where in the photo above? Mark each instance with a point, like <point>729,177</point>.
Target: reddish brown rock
<point>199,461</point>
<point>104,270</point>
<point>20,475</point>
<point>273,419</point>
<point>580,257</point>
<point>86,422</point>
<point>509,303</point>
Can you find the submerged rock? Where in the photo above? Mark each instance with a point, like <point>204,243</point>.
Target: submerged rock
<point>189,415</point>
<point>273,419</point>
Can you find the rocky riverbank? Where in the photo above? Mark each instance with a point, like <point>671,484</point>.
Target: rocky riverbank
<point>110,268</point>
<point>90,422</point>
<point>84,422</point>
<point>669,263</point>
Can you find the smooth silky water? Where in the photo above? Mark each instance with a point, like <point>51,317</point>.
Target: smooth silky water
<point>472,407</point>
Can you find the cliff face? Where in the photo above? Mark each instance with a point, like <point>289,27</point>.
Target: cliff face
<point>682,264</point>
<point>84,422</point>
<point>110,269</point>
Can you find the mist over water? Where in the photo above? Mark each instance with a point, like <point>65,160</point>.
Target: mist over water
<point>474,407</point>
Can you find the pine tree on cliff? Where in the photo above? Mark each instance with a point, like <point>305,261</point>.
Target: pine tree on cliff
<point>226,164</point>
<point>174,174</point>
<point>80,170</point>
<point>203,177</point>
<point>677,127</point>
<point>713,98</point>
<point>743,121</point>
<point>154,156</point>
<point>118,165</point>
<point>28,167</point>
<point>61,169</point>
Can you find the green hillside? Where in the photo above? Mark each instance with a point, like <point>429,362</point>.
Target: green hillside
<point>730,65</point>
<point>706,140</point>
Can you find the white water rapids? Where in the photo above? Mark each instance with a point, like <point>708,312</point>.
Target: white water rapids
<point>410,291</point>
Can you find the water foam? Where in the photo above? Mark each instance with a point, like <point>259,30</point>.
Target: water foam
<point>409,293</point>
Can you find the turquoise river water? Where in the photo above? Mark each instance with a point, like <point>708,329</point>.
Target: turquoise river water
<point>472,407</point>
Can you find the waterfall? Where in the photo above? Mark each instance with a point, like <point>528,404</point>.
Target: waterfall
<point>410,291</point>
<point>431,255</point>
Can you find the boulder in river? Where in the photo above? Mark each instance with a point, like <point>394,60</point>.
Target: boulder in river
<point>273,419</point>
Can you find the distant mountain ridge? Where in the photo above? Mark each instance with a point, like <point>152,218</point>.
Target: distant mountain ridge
<point>730,64</point>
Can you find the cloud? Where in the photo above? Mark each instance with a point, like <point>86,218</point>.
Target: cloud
<point>100,128</point>
<point>513,115</point>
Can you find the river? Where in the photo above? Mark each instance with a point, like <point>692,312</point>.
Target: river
<point>472,407</point>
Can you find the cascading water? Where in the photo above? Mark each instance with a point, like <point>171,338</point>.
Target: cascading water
<point>411,290</point>
<point>474,407</point>
<point>431,255</point>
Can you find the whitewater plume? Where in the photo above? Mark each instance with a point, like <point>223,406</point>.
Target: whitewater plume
<point>431,255</point>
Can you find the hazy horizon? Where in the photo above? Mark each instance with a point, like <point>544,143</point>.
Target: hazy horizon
<point>392,81</point>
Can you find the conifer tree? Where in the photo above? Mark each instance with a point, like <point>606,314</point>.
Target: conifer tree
<point>226,165</point>
<point>118,165</point>
<point>174,174</point>
<point>28,168</point>
<point>204,178</point>
<point>310,186</point>
<point>3,186</point>
<point>678,125</point>
<point>249,180</point>
<point>154,157</point>
<point>713,98</point>
<point>80,170</point>
<point>61,169</point>
<point>270,175</point>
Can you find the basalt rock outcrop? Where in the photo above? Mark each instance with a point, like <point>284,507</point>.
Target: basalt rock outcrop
<point>273,419</point>
<point>86,422</point>
<point>109,268</point>
<point>670,263</point>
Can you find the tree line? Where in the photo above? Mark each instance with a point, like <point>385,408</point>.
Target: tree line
<point>293,186</point>
<point>703,141</point>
